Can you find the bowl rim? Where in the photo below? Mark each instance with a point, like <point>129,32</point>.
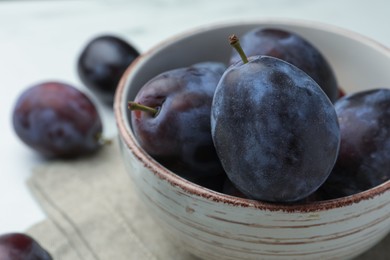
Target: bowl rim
<point>163,173</point>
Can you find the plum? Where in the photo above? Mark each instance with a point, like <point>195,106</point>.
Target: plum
<point>57,120</point>
<point>19,246</point>
<point>175,126</point>
<point>274,129</point>
<point>293,49</point>
<point>364,159</point>
<point>102,63</point>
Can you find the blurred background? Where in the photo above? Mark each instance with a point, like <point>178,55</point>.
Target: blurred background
<point>41,40</point>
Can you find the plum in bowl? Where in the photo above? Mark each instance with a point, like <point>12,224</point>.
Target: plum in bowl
<point>213,225</point>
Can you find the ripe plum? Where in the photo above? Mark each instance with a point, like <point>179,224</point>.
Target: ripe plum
<point>293,49</point>
<point>19,246</point>
<point>102,63</point>
<point>175,130</point>
<point>57,120</point>
<point>275,131</point>
<point>364,158</point>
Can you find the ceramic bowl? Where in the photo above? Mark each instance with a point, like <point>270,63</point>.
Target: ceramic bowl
<point>212,225</point>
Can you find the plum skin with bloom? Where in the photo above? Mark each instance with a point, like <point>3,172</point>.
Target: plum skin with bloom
<point>20,246</point>
<point>57,120</point>
<point>364,159</point>
<point>179,135</point>
<point>294,49</point>
<point>102,63</point>
<point>274,129</point>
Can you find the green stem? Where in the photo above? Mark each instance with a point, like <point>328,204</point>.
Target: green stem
<point>235,42</point>
<point>136,106</point>
<point>102,140</point>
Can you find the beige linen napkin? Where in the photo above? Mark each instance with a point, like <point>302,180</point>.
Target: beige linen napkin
<point>93,213</point>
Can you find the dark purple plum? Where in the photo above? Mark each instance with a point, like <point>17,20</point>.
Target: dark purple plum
<point>275,131</point>
<point>364,158</point>
<point>19,246</point>
<point>57,120</point>
<point>293,49</point>
<point>176,131</point>
<point>102,63</point>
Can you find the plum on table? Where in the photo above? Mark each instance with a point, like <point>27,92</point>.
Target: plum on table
<point>19,246</point>
<point>57,120</point>
<point>102,63</point>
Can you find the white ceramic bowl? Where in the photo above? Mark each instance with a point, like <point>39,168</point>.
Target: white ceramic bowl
<point>212,225</point>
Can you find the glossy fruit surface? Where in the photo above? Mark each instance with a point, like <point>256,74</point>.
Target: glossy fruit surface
<point>57,120</point>
<point>275,131</point>
<point>102,63</point>
<point>293,49</point>
<point>179,135</point>
<point>19,246</point>
<point>364,157</point>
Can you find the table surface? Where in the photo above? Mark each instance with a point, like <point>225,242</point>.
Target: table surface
<point>41,40</point>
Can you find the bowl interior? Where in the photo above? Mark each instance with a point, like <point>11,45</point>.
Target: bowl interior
<point>358,62</point>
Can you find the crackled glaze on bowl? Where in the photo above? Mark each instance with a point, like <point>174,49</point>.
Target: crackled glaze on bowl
<point>216,226</point>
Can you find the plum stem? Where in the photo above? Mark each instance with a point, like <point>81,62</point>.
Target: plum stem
<point>136,106</point>
<point>103,140</point>
<point>235,43</point>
